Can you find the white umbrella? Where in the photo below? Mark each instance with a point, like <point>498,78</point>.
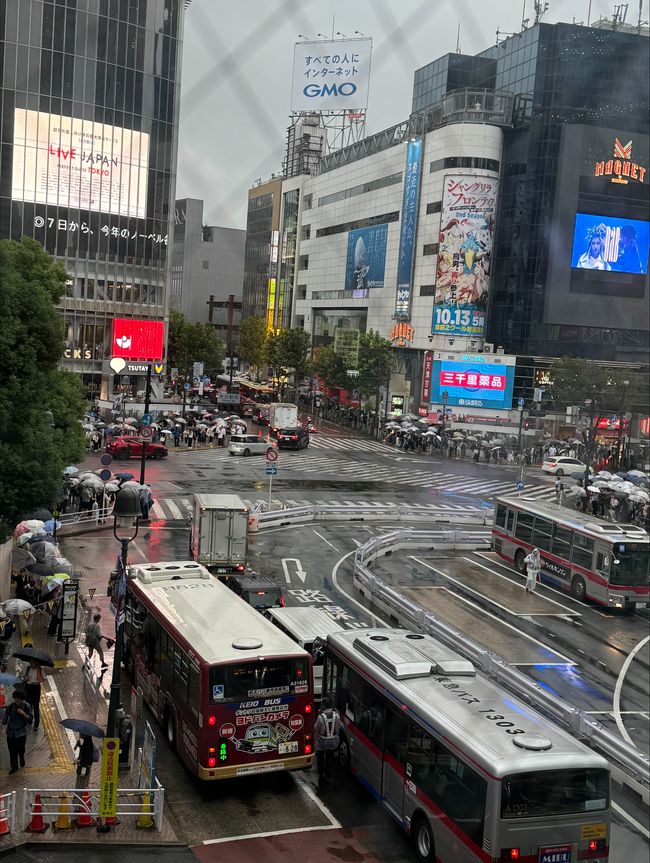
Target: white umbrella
<point>166,432</point>
<point>17,606</point>
<point>637,473</point>
<point>131,421</point>
<point>604,474</point>
<point>593,489</point>
<point>112,486</point>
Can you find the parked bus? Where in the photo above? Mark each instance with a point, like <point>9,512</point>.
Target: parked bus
<point>592,558</point>
<point>233,693</point>
<point>470,772</point>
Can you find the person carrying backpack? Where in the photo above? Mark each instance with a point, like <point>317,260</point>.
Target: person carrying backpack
<point>94,640</point>
<point>326,736</point>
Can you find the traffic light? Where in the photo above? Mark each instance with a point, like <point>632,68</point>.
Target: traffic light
<point>526,424</point>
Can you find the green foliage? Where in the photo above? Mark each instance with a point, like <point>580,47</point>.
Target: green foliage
<point>252,336</point>
<point>289,349</point>
<point>331,367</point>
<point>190,343</point>
<point>375,362</point>
<point>40,405</point>
<point>583,383</point>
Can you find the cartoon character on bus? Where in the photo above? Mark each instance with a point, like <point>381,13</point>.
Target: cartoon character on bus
<point>262,737</point>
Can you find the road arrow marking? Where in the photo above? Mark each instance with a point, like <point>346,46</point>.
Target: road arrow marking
<point>300,572</point>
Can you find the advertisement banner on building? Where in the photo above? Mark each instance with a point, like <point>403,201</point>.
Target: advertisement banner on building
<point>331,75</point>
<point>79,164</point>
<point>464,254</point>
<point>137,339</point>
<point>610,244</point>
<point>366,259</point>
<point>473,382</point>
<point>427,372</point>
<point>408,227</point>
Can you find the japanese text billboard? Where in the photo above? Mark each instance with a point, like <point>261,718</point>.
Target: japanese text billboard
<point>136,339</point>
<point>472,384</point>
<point>79,164</point>
<point>332,76</point>
<point>408,223</point>
<point>366,259</point>
<point>464,254</point>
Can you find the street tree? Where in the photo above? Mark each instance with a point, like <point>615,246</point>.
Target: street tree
<point>289,349</point>
<point>375,366</point>
<point>597,392</point>
<point>41,406</point>
<point>190,343</point>
<point>250,347</point>
<point>330,366</point>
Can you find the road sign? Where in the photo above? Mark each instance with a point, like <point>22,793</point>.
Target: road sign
<point>271,469</point>
<point>520,404</point>
<point>271,454</point>
<point>186,387</point>
<point>105,474</point>
<point>147,419</point>
<point>107,458</point>
<point>146,432</point>
<point>521,485</point>
<point>197,370</point>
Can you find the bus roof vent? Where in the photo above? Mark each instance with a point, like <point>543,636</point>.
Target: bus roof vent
<point>533,742</point>
<point>150,573</point>
<point>397,657</point>
<point>444,660</point>
<point>247,644</point>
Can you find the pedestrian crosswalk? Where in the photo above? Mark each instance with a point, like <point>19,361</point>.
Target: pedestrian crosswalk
<point>179,508</point>
<point>347,444</point>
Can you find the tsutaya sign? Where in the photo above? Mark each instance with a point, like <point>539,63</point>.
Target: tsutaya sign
<point>621,167</point>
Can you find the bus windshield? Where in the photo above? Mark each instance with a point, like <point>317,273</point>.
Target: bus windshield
<point>633,565</point>
<point>264,679</point>
<point>554,792</point>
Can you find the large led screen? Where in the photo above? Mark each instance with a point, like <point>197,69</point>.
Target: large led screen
<point>366,259</point>
<point>136,339</point>
<point>610,244</point>
<point>472,384</point>
<point>79,164</point>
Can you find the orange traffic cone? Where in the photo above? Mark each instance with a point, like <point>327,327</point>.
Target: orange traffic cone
<point>4,824</point>
<point>85,819</point>
<point>37,825</point>
<point>63,822</point>
<point>3,700</point>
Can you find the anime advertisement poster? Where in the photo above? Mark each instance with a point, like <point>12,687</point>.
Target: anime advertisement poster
<point>464,254</point>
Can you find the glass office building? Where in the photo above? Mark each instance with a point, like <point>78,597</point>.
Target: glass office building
<point>581,112</point>
<point>89,117</point>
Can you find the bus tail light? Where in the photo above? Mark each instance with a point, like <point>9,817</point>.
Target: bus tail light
<point>308,744</point>
<point>309,708</point>
<point>212,760</point>
<point>240,567</point>
<point>510,854</point>
<point>212,719</point>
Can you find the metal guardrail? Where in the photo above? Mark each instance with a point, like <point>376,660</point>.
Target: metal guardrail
<point>631,767</point>
<point>7,813</point>
<point>402,512</point>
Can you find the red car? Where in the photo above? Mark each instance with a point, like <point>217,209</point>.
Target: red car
<point>131,447</point>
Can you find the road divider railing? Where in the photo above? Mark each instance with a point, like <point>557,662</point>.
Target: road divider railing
<point>364,512</point>
<point>630,766</point>
<point>7,813</point>
<point>80,522</point>
<point>59,808</point>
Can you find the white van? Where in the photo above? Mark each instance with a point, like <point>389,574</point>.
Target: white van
<point>308,627</point>
<point>249,444</point>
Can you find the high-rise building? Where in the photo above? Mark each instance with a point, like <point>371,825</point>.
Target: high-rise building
<point>90,94</point>
<point>574,163</point>
<point>207,265</point>
<point>261,250</point>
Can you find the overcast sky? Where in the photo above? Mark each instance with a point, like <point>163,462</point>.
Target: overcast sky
<point>237,66</point>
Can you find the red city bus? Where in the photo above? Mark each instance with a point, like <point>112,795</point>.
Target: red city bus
<point>233,693</point>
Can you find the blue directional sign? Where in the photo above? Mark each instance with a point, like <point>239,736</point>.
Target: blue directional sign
<point>271,469</point>
<point>520,402</point>
<point>186,387</point>
<point>147,419</point>
<point>521,485</point>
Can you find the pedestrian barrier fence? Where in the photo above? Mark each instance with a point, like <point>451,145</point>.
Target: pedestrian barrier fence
<point>630,766</point>
<point>7,813</point>
<point>60,807</point>
<point>78,522</point>
<point>401,512</point>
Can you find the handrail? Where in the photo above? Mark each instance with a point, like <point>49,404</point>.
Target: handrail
<point>364,512</point>
<point>633,764</point>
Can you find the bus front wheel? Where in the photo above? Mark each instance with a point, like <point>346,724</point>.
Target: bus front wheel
<point>578,588</point>
<point>520,566</point>
<point>423,839</point>
<point>170,728</point>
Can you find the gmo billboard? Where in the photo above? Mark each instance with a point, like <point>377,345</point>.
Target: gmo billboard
<point>331,75</point>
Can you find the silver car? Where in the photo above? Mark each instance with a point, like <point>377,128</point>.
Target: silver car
<point>249,444</point>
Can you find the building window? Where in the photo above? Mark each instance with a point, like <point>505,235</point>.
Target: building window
<point>206,265</point>
<point>427,290</point>
<point>464,162</point>
<point>303,262</point>
<point>434,207</point>
<point>430,249</point>
<point>359,223</point>
<point>353,191</point>
<point>302,292</point>
<point>307,202</point>
<point>305,232</point>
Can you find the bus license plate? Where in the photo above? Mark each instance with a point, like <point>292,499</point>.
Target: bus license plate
<point>556,854</point>
<point>221,569</point>
<point>261,768</point>
<point>285,748</point>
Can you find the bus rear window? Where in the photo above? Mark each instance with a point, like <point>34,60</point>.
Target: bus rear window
<point>554,792</point>
<point>266,679</point>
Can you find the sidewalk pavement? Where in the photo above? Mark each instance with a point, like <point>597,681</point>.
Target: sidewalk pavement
<point>49,756</point>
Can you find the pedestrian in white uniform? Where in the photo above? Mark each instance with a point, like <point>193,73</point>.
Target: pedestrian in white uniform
<point>533,563</point>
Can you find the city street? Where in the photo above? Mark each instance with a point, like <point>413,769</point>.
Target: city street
<point>572,649</point>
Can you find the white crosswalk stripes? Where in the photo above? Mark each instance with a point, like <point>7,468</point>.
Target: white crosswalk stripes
<point>345,444</point>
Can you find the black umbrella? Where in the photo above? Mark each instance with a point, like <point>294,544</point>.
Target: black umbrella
<point>41,656</point>
<point>82,726</point>
<point>43,515</point>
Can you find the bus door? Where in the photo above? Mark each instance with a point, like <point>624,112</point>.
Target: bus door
<point>394,763</point>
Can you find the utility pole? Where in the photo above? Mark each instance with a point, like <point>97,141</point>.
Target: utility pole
<point>231,347</point>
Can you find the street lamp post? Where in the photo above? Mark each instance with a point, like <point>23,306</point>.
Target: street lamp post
<point>444,396</point>
<point>126,513</point>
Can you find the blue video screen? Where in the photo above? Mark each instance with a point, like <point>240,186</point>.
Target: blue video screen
<point>610,244</point>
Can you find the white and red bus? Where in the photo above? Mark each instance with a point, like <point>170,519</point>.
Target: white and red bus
<point>233,693</point>
<point>472,773</point>
<point>591,558</point>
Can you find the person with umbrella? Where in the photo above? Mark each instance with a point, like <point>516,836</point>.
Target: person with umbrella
<point>17,717</point>
<point>33,678</point>
<point>85,760</point>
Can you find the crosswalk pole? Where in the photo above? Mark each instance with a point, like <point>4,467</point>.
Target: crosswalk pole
<point>270,487</point>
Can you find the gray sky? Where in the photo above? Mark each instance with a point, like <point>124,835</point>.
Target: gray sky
<point>237,65</point>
